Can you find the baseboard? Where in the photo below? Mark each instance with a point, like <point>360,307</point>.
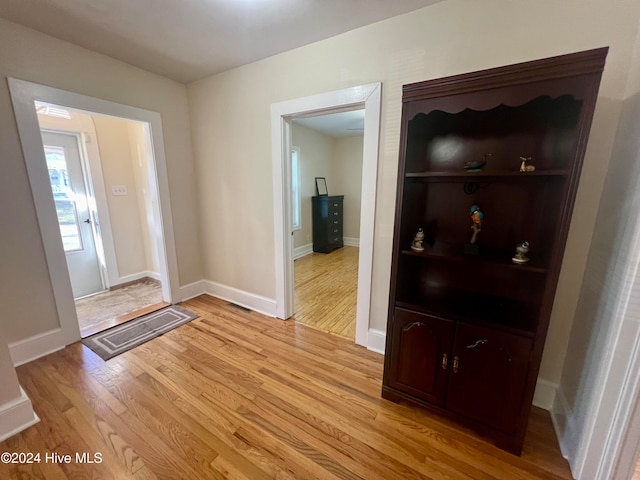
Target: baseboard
<point>545,394</point>
<point>32,348</point>
<point>192,290</point>
<point>252,301</point>
<point>249,300</point>
<point>16,416</point>
<point>154,275</point>
<point>563,423</point>
<point>376,340</point>
<point>351,242</point>
<point>134,277</point>
<point>302,250</point>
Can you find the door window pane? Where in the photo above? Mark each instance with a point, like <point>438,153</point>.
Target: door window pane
<point>63,197</point>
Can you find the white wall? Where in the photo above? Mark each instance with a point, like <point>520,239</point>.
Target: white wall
<point>316,150</point>
<point>339,160</point>
<point>231,126</point>
<point>28,55</point>
<point>141,159</point>
<point>607,317</point>
<point>124,210</point>
<point>346,179</point>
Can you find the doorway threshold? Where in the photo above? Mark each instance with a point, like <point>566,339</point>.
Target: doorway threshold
<point>105,325</point>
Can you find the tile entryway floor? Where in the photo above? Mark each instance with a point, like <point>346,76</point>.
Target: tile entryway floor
<point>106,309</point>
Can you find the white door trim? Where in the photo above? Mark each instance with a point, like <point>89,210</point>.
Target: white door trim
<point>23,95</point>
<point>610,441</point>
<point>354,98</point>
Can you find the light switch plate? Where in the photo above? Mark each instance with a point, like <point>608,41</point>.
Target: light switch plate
<point>119,190</point>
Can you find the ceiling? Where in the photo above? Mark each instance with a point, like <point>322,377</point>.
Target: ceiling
<point>344,124</point>
<point>190,39</point>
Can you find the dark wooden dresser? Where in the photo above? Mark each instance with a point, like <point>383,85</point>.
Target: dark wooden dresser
<point>327,223</point>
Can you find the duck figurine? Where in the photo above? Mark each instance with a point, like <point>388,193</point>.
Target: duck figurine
<point>477,165</point>
<point>521,253</point>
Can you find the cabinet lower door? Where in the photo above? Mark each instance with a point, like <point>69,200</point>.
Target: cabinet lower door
<point>488,374</point>
<point>421,347</point>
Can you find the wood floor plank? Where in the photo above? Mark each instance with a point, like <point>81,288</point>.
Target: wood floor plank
<point>327,437</point>
<point>195,406</point>
<point>226,423</point>
<point>31,442</point>
<point>237,395</point>
<point>154,452</point>
<point>325,288</point>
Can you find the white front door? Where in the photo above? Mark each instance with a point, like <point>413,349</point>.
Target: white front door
<point>62,153</point>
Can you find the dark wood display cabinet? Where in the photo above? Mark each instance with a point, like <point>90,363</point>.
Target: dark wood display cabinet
<point>467,325</point>
<point>327,216</point>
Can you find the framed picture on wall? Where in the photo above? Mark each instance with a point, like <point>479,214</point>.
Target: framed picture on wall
<point>321,186</point>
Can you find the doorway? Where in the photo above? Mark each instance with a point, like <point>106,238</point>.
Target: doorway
<point>24,96</point>
<point>282,115</point>
<point>99,172</point>
<point>327,148</point>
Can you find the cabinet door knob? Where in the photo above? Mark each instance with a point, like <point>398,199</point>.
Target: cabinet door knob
<point>411,325</point>
<point>445,361</point>
<point>479,342</point>
<point>456,364</point>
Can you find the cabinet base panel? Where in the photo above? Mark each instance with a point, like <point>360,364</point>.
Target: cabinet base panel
<point>508,443</point>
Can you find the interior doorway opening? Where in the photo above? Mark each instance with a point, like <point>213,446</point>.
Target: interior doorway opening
<point>100,176</point>
<point>25,97</point>
<point>326,175</point>
<point>367,97</point>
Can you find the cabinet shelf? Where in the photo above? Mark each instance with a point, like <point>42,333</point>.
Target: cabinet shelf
<point>503,176</point>
<point>497,258</point>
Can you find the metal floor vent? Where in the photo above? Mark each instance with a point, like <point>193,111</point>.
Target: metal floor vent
<point>240,307</point>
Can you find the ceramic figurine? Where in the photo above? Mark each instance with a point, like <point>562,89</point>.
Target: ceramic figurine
<point>476,165</point>
<point>416,245</point>
<point>521,253</point>
<point>476,218</point>
<point>524,167</point>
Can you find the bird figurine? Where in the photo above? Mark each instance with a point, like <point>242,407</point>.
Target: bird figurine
<point>521,253</point>
<point>477,165</point>
<point>476,217</point>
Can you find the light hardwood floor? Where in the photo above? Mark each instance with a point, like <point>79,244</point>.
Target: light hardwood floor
<point>326,286</point>
<point>241,396</point>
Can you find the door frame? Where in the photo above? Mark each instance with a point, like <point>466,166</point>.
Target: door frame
<point>367,97</point>
<point>23,96</point>
<point>87,177</point>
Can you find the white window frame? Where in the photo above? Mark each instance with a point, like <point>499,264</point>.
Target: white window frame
<point>296,196</point>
